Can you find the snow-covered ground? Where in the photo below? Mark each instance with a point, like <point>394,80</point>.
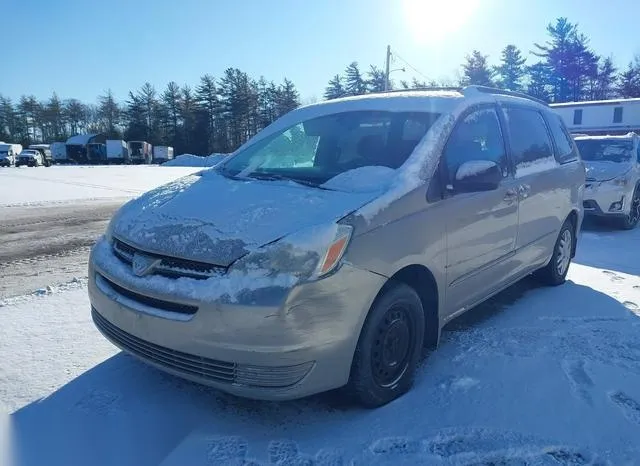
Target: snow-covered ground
<point>535,376</point>
<point>36,186</point>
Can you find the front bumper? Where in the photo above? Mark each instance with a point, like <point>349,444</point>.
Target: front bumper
<point>605,199</point>
<point>298,345</point>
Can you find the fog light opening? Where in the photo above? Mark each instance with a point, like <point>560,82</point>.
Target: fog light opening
<point>616,206</point>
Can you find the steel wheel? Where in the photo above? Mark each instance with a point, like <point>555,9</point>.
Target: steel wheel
<point>565,246</point>
<point>392,347</point>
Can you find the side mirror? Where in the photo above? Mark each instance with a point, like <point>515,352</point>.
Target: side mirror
<point>477,175</point>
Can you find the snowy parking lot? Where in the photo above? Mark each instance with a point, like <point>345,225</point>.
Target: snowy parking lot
<point>547,376</point>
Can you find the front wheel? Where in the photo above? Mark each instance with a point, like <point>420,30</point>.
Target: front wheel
<point>630,221</point>
<point>555,273</point>
<point>389,347</point>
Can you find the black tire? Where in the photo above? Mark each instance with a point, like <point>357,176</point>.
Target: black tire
<point>389,348</point>
<point>630,221</point>
<point>553,274</point>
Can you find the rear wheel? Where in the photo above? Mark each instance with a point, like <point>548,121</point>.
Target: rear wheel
<point>389,347</point>
<point>630,221</point>
<point>555,273</point>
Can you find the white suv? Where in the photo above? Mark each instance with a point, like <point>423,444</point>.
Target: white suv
<point>613,177</point>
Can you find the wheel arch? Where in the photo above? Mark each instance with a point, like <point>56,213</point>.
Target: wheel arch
<point>423,282</point>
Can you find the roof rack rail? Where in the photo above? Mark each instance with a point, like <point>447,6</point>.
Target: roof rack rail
<point>428,88</point>
<point>494,90</point>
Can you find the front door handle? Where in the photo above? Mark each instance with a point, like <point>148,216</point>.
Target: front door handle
<point>511,195</point>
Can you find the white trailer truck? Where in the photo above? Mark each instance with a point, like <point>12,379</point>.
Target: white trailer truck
<point>162,154</point>
<point>140,152</point>
<point>117,151</point>
<point>59,152</point>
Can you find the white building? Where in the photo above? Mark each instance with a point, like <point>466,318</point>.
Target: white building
<point>601,116</point>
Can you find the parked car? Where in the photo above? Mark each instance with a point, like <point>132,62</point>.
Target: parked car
<point>613,177</point>
<point>349,234</point>
<point>9,154</point>
<point>45,152</point>
<point>30,158</point>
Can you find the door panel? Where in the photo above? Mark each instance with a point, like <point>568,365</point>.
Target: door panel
<point>481,235</point>
<point>544,196</point>
<point>481,226</point>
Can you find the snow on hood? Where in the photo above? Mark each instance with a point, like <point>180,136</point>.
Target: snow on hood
<point>605,171</point>
<point>210,218</point>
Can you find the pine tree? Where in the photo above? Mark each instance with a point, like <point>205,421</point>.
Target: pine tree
<point>136,116</point>
<point>207,96</point>
<point>188,110</point>
<point>10,123</point>
<point>511,69</point>
<point>29,111</point>
<point>476,70</point>
<point>376,79</point>
<point>538,82</point>
<point>335,89</point>
<point>571,62</point>
<point>606,80</point>
<point>109,115</point>
<point>171,113</point>
<point>54,119</point>
<point>148,99</point>
<point>287,98</point>
<point>629,80</point>
<point>354,83</point>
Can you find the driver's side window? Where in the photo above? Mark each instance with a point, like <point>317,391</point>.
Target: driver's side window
<point>476,137</point>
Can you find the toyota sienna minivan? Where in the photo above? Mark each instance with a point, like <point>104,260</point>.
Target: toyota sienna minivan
<point>333,246</point>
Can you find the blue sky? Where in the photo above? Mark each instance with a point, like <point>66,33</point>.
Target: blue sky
<point>80,48</point>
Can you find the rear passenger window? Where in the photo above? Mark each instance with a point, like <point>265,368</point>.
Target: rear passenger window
<point>530,142</point>
<point>564,143</point>
<point>476,137</point>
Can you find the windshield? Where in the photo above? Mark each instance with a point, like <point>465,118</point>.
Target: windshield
<point>605,150</point>
<point>28,152</point>
<point>318,149</point>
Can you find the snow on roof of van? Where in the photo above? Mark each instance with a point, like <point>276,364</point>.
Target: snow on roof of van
<point>81,139</point>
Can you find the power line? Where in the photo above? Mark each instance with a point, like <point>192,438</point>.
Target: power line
<point>410,65</point>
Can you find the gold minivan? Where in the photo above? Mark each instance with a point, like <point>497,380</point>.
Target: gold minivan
<point>333,246</point>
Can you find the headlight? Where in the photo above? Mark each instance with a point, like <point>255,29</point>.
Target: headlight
<point>308,254</point>
<point>621,181</point>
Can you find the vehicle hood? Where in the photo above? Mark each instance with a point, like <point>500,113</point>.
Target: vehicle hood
<point>605,171</point>
<point>210,218</point>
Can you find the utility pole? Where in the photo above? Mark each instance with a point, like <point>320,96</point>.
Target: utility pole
<point>386,68</point>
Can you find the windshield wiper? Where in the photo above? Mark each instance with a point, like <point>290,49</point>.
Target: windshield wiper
<point>277,177</point>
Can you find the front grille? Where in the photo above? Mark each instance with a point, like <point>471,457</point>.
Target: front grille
<point>183,362</point>
<point>168,306</point>
<point>171,267</point>
<point>590,204</point>
<point>209,369</point>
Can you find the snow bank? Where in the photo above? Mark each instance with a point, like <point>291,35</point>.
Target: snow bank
<point>35,186</point>
<point>190,160</point>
